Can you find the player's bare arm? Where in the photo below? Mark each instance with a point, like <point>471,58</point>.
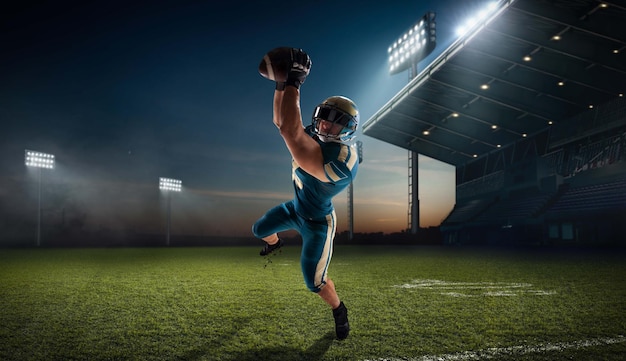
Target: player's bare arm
<point>288,118</point>
<point>278,101</point>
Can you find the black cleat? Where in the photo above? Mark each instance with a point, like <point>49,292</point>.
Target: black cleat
<point>269,248</point>
<point>342,326</point>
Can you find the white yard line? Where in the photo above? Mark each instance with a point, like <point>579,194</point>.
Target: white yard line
<point>511,351</point>
<point>456,289</point>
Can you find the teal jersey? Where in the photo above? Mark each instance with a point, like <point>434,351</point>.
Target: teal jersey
<point>313,198</point>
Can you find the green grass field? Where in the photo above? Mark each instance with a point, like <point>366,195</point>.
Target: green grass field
<point>405,303</point>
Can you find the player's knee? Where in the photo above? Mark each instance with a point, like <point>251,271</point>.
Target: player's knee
<point>312,286</point>
<point>255,229</point>
<point>258,230</point>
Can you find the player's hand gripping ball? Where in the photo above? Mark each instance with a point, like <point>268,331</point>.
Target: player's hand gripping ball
<point>285,64</point>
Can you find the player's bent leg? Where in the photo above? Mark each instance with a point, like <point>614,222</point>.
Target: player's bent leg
<point>277,219</point>
<point>317,249</point>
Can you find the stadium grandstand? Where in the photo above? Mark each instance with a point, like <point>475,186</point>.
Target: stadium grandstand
<point>529,107</point>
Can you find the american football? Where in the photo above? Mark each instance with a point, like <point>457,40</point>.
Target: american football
<point>276,63</point>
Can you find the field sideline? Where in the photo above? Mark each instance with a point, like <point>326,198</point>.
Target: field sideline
<point>220,303</point>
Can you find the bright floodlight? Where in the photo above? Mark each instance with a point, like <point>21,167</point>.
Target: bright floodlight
<point>472,21</point>
<point>414,45</point>
<point>169,184</point>
<point>39,159</point>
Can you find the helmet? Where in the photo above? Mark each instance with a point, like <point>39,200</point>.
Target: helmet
<point>337,110</point>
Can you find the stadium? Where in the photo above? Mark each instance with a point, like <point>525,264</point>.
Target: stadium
<point>528,106</point>
<point>535,126</point>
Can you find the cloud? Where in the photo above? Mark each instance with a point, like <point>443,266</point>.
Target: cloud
<point>246,195</point>
<point>381,201</point>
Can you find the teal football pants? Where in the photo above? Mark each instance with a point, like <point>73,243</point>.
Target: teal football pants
<point>317,239</point>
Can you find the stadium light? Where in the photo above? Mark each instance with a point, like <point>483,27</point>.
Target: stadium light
<point>169,185</point>
<point>476,19</point>
<point>40,161</point>
<point>414,45</point>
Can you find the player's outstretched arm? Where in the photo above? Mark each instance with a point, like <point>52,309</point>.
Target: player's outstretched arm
<point>289,67</point>
<point>304,149</point>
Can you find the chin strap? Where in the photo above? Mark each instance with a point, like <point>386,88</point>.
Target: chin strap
<point>328,139</point>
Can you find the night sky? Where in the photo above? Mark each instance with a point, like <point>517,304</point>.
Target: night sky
<point>123,93</point>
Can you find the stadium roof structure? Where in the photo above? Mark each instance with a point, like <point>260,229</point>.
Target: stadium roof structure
<point>530,65</point>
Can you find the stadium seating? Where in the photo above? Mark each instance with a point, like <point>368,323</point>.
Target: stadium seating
<point>468,210</point>
<point>521,207</point>
<point>590,199</point>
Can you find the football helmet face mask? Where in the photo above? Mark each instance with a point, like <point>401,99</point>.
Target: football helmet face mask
<point>336,119</point>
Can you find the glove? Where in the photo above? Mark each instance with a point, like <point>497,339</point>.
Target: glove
<point>300,67</point>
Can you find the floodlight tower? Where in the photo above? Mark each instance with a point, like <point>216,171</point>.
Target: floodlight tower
<point>169,185</point>
<point>40,161</point>
<point>405,53</point>
<point>359,147</point>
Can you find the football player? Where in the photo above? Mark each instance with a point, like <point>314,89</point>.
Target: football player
<point>324,163</point>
